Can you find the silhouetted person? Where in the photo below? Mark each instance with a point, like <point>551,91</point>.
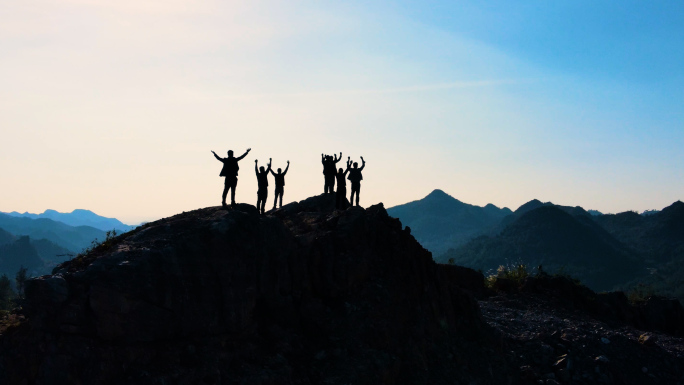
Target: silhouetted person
<point>341,196</point>
<point>279,185</point>
<point>329,171</point>
<point>262,179</point>
<point>355,177</point>
<point>230,172</point>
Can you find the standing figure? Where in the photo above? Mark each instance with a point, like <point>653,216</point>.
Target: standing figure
<point>262,179</point>
<point>280,183</point>
<point>341,197</point>
<point>355,177</point>
<point>230,172</point>
<point>329,171</point>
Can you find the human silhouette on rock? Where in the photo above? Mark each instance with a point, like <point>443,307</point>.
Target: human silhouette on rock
<point>355,177</point>
<point>230,172</point>
<point>341,197</point>
<point>262,179</point>
<point>279,184</point>
<point>329,171</point>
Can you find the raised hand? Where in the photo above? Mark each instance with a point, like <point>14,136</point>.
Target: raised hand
<point>249,149</point>
<point>256,161</point>
<point>288,162</point>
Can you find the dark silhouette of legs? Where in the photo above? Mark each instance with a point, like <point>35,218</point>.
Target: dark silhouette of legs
<point>356,189</point>
<point>340,198</point>
<point>261,200</point>
<point>278,193</point>
<point>225,193</point>
<point>230,184</point>
<point>329,184</point>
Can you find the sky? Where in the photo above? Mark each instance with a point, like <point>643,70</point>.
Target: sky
<point>114,106</point>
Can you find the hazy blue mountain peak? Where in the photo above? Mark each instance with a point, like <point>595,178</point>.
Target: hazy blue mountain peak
<point>439,195</point>
<point>531,205</point>
<point>439,221</point>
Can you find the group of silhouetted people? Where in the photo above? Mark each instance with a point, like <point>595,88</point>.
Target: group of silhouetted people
<point>262,179</point>
<point>331,175</point>
<point>230,172</point>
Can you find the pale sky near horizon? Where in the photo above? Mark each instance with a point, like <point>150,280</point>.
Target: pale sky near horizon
<point>114,106</point>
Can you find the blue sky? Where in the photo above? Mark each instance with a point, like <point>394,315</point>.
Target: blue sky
<point>113,106</point>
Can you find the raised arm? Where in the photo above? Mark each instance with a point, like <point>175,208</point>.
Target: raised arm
<point>217,157</point>
<point>256,166</point>
<point>323,158</point>
<point>338,159</point>
<point>363,164</point>
<point>244,155</point>
<point>269,165</point>
<point>286,168</point>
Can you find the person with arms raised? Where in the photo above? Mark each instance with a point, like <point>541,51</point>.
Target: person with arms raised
<point>230,172</point>
<point>329,172</point>
<point>355,177</point>
<point>262,179</point>
<point>341,195</point>
<point>279,184</point>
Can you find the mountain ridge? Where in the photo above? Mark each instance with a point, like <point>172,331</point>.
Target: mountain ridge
<point>78,217</point>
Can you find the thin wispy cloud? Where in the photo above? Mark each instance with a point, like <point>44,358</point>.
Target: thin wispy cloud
<point>389,90</point>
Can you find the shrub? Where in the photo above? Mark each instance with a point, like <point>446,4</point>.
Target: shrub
<point>515,273</point>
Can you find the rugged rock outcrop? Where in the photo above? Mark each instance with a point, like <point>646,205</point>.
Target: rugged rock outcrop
<point>304,295</point>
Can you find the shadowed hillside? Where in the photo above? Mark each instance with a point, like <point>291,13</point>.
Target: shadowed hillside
<point>659,238</point>
<point>20,253</point>
<point>549,236</point>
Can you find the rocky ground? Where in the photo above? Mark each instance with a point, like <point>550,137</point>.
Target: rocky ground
<point>550,344</point>
<point>312,295</point>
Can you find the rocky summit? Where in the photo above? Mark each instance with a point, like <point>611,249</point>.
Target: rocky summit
<point>310,295</point>
<point>303,295</point>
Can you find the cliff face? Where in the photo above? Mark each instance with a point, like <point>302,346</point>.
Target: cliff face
<point>305,295</point>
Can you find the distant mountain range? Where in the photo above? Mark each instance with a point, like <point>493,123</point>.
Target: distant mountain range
<point>604,251</point>
<point>79,217</point>
<point>74,238</point>
<point>41,241</point>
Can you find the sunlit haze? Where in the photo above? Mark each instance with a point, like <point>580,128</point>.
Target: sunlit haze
<point>114,106</point>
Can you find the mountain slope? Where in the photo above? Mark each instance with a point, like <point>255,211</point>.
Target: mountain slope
<point>549,236</point>
<point>79,217</point>
<point>440,221</point>
<point>6,237</point>
<point>659,238</point>
<point>50,252</point>
<point>20,253</point>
